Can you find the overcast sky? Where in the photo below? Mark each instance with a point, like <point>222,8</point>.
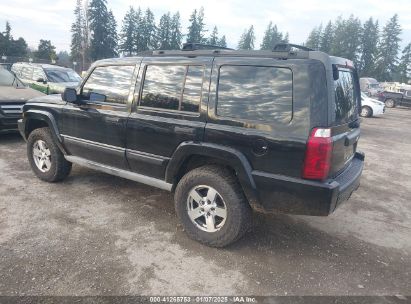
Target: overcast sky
<point>51,19</point>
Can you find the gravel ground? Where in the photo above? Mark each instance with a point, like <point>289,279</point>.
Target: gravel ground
<point>95,234</point>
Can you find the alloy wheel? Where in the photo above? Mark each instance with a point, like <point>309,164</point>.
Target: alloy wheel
<point>206,208</point>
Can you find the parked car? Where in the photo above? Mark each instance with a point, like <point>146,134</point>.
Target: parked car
<point>370,86</point>
<point>13,95</point>
<point>371,107</point>
<point>46,78</point>
<point>393,99</point>
<point>227,131</point>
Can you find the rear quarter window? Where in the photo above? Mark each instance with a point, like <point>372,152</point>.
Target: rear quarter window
<point>255,93</point>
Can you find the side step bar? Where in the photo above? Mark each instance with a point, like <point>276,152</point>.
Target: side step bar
<point>119,172</point>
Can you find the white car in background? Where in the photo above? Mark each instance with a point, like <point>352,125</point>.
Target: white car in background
<point>371,107</point>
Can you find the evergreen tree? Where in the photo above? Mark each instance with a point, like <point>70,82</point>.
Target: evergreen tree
<point>138,41</point>
<point>286,38</point>
<point>369,48</point>
<point>327,37</point>
<point>128,29</point>
<point>388,50</point>
<point>347,39</point>
<point>314,38</point>
<point>196,28</point>
<point>77,35</point>
<point>272,37</point>
<point>112,38</point>
<point>164,32</point>
<point>222,41</point>
<point>18,48</point>
<point>102,30</point>
<point>404,67</point>
<point>148,31</point>
<point>176,35</point>
<point>247,39</point>
<point>213,39</point>
<point>46,50</point>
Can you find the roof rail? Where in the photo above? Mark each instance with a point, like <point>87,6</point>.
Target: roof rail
<point>192,46</point>
<point>286,47</point>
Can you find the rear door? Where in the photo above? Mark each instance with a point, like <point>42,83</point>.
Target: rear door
<point>345,120</point>
<point>170,108</point>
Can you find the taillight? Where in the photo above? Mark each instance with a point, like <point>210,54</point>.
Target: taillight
<point>318,154</point>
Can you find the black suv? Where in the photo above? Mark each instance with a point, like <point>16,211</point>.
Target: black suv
<point>227,131</point>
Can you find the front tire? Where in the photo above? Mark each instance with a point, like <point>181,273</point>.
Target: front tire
<point>212,207</point>
<point>45,157</point>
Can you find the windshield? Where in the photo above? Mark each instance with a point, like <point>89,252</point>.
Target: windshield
<point>62,75</point>
<point>8,79</point>
<point>346,97</point>
<point>374,86</point>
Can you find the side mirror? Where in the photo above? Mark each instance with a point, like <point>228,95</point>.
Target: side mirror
<point>42,80</point>
<point>69,95</point>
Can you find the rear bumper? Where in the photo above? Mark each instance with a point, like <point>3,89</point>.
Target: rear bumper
<point>278,193</point>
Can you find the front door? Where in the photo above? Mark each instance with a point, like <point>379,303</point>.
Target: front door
<point>95,130</point>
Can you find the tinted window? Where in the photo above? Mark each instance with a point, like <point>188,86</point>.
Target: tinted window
<point>192,89</point>
<point>163,87</point>
<point>255,93</point>
<point>345,97</point>
<point>110,81</point>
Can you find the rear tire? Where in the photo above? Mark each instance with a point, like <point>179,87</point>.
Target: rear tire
<point>212,207</point>
<point>366,111</point>
<point>45,157</point>
<point>390,103</point>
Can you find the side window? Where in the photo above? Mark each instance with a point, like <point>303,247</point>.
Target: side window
<point>172,87</point>
<point>193,89</point>
<point>111,81</point>
<point>27,73</point>
<point>37,74</point>
<point>255,93</point>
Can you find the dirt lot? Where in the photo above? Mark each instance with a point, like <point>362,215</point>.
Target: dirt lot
<point>95,234</point>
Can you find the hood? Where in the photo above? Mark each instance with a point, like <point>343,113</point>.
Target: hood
<point>54,98</point>
<point>13,94</point>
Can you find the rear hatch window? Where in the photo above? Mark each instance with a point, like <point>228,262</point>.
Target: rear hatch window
<point>346,98</point>
<point>345,130</point>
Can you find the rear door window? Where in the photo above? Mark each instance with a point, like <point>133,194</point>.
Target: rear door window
<point>346,97</point>
<point>173,87</point>
<point>256,93</point>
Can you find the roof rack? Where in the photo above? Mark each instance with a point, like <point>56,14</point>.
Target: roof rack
<point>286,47</point>
<point>192,46</point>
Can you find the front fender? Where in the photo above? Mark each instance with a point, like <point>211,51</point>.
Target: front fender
<point>44,116</point>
